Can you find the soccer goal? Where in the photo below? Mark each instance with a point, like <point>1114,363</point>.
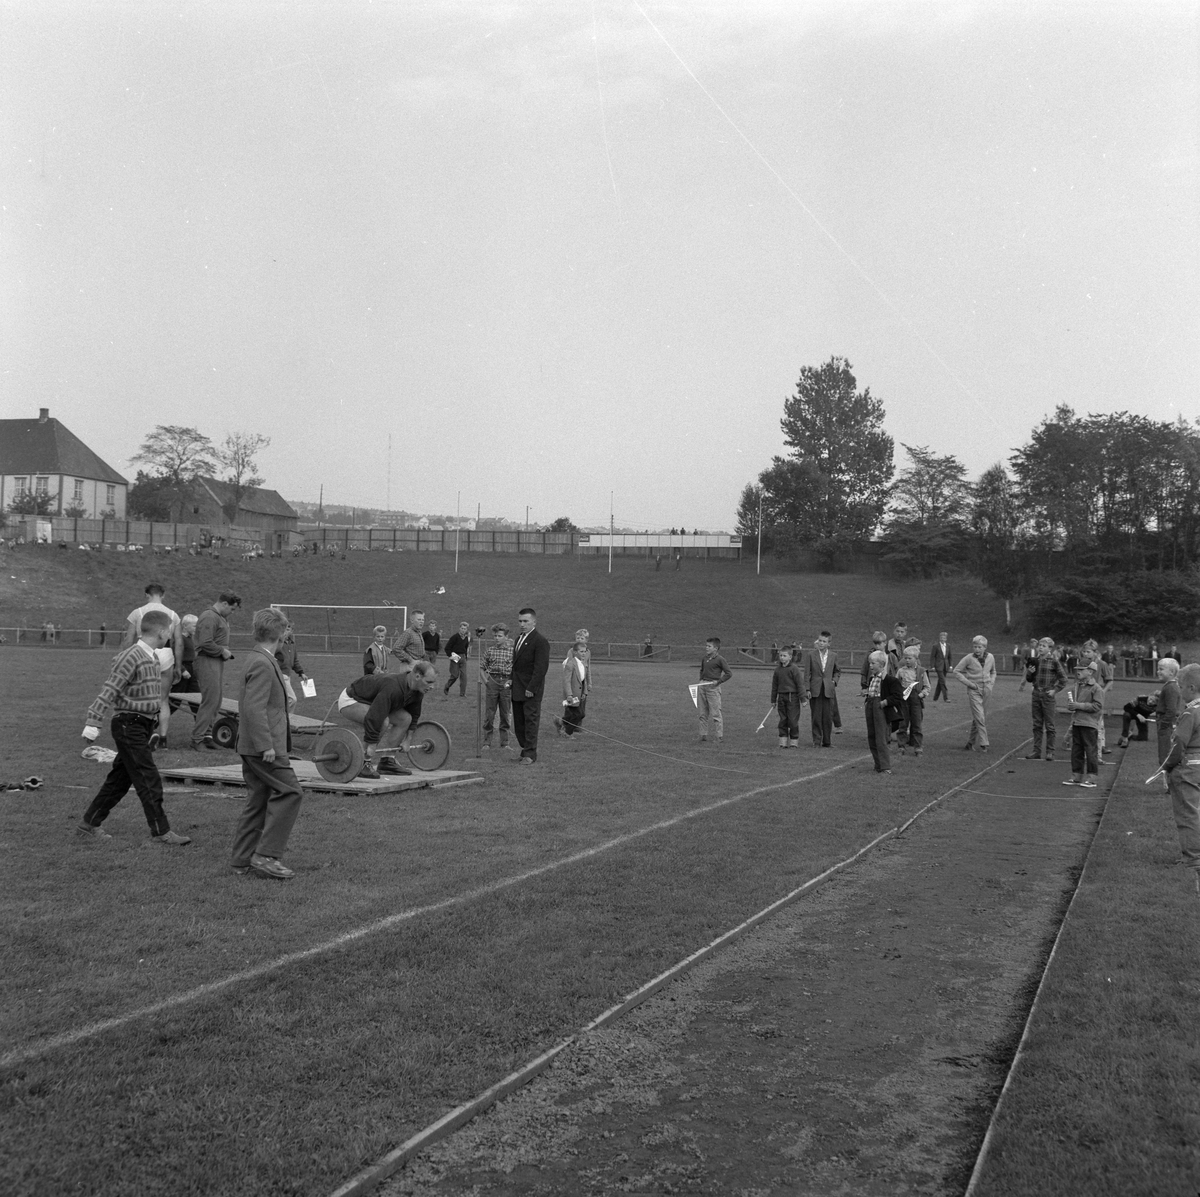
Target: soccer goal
<point>342,628</point>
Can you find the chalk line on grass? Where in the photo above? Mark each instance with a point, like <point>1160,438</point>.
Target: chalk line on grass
<point>67,1038</point>
<point>22,1055</point>
<point>369,1177</point>
<point>986,1145</point>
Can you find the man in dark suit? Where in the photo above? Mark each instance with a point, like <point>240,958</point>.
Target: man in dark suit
<point>939,662</point>
<point>821,674</point>
<point>531,660</point>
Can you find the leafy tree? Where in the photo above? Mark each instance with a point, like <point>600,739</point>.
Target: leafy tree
<point>1113,605</point>
<point>237,455</point>
<point>833,487</point>
<point>562,524</point>
<point>32,503</point>
<point>926,530</point>
<point>75,511</point>
<point>151,497</point>
<point>178,454</point>
<point>996,522</point>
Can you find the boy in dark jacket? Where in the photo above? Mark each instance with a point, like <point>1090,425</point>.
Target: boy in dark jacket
<point>1085,706</point>
<point>788,695</point>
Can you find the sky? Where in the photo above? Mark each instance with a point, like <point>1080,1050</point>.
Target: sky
<point>572,256</point>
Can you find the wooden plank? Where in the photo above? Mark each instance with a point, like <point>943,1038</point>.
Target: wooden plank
<point>311,779</point>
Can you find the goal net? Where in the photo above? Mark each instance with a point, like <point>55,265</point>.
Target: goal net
<point>342,628</point>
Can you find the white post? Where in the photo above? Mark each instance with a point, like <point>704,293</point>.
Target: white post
<point>610,530</point>
<point>758,567</point>
<point>457,529</point>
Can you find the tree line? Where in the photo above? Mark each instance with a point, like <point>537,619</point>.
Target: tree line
<point>1088,505</point>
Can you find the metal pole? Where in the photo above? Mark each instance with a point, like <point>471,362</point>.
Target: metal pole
<point>479,696</point>
<point>610,530</point>
<point>457,529</point>
<point>758,568</point>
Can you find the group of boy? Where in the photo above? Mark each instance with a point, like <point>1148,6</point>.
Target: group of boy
<point>135,694</point>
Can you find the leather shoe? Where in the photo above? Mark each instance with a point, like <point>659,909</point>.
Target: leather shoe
<point>369,771</point>
<point>172,837</point>
<point>268,866</point>
<point>95,833</point>
<point>1034,756</point>
<point>387,764</point>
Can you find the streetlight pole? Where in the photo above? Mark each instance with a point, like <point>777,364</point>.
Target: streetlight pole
<point>610,530</point>
<point>457,528</point>
<point>758,569</point>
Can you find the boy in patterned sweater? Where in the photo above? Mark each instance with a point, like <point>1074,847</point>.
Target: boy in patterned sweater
<point>133,692</point>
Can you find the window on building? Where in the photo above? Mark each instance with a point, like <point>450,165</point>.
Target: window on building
<point>21,485</point>
<point>78,490</point>
<point>111,495</point>
<point>42,486</point>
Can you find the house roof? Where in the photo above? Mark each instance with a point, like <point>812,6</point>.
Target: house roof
<point>263,502</point>
<point>48,447</point>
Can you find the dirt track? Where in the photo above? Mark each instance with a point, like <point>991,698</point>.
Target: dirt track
<point>852,1044</point>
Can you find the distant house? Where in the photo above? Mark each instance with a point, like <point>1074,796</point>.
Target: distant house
<point>262,515</point>
<point>45,457</point>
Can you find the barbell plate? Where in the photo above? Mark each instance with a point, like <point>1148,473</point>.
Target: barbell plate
<point>339,755</point>
<point>429,746</point>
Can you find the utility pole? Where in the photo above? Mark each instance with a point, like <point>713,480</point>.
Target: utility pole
<point>389,484</point>
<point>526,517</point>
<point>457,529</point>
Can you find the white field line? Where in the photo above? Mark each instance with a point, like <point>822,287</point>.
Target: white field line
<point>32,1051</point>
<point>67,1038</point>
<point>986,1145</point>
<point>369,1177</point>
<point>448,1123</point>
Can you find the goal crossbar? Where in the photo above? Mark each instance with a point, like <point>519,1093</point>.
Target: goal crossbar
<point>336,607</point>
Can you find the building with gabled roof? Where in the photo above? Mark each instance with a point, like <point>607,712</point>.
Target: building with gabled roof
<point>211,504</point>
<point>46,457</point>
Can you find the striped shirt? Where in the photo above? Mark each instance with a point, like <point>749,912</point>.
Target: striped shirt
<point>497,661</point>
<point>135,684</point>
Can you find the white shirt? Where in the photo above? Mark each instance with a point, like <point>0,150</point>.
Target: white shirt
<point>165,655</point>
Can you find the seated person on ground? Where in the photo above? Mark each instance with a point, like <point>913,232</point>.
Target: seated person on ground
<point>386,705</point>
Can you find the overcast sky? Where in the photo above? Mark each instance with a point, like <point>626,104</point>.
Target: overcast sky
<point>558,249</point>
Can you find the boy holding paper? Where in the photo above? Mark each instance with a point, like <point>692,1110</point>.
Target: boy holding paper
<point>1086,705</point>
<point>713,673</point>
<point>915,685</point>
<point>458,649</point>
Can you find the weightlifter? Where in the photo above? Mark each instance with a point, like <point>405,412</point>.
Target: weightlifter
<point>386,705</point>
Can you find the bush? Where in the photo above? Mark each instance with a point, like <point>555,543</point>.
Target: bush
<point>1110,605</point>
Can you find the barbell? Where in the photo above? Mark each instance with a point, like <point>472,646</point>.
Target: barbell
<point>339,754</point>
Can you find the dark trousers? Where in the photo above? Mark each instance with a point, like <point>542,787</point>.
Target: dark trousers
<point>527,714</point>
<point>573,717</point>
<point>496,698</point>
<point>458,673</point>
<point>272,804</point>
<point>1085,749</point>
<point>940,689</point>
<point>135,767</point>
<point>210,674</point>
<point>822,720</point>
<point>837,714</point>
<point>877,734</point>
<point>1129,718</point>
<point>185,685</point>
<point>1043,720</point>
<point>914,718</point>
<point>788,707</point>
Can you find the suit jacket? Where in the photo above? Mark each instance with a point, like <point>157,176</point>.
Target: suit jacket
<point>530,663</point>
<point>262,707</point>
<point>820,683</point>
<point>940,658</point>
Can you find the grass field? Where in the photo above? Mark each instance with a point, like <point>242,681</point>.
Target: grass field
<point>494,920</point>
<point>1106,1097</point>
<point>290,1081</point>
<point>726,598</point>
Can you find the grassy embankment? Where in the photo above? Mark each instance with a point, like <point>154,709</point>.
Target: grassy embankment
<point>726,598</point>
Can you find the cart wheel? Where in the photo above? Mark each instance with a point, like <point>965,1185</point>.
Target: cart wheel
<point>224,731</point>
